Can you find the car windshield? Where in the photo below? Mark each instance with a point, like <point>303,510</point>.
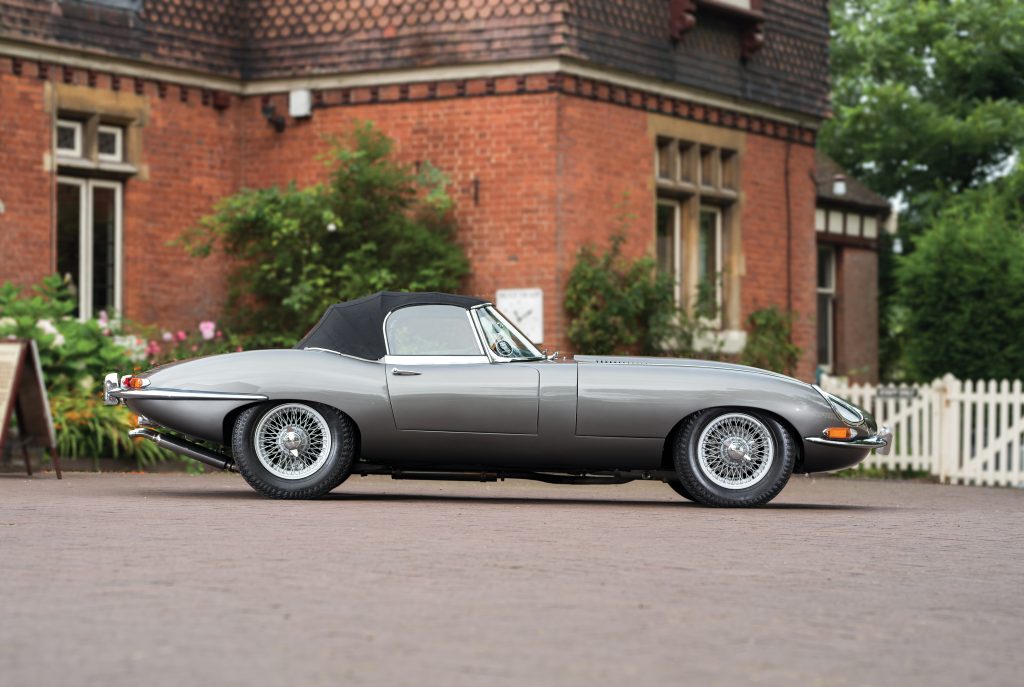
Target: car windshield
<point>504,339</point>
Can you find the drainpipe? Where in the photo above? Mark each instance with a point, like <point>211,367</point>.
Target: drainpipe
<point>789,234</point>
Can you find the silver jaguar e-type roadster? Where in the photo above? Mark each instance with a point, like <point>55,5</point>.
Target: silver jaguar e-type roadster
<point>437,386</point>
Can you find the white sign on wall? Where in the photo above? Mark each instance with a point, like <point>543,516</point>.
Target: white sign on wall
<point>525,309</point>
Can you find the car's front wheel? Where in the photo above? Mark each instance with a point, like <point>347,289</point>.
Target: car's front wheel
<point>734,458</point>
<point>293,450</point>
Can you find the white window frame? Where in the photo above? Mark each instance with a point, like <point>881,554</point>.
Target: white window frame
<point>717,211</point>
<point>118,131</point>
<point>738,4</point>
<point>677,243</point>
<point>79,137</point>
<point>829,291</point>
<point>85,240</point>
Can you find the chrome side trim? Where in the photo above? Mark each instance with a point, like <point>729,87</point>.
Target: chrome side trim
<point>435,359</point>
<point>880,442</point>
<point>184,395</point>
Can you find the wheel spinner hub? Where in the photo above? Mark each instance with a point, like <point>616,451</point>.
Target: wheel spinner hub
<point>736,449</point>
<point>293,440</point>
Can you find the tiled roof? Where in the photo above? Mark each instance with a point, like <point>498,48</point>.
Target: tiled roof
<point>825,171</point>
<point>257,39</point>
<point>790,71</point>
<point>304,36</point>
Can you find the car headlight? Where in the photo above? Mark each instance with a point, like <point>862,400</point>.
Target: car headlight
<point>847,412</point>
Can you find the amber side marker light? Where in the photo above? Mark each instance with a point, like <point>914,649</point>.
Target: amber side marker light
<point>839,433</point>
<point>134,382</point>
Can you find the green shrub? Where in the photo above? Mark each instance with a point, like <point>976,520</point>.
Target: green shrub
<point>614,304</point>
<point>769,341</point>
<point>376,225</point>
<point>74,355</point>
<point>962,289</point>
<point>619,305</point>
<point>88,429</point>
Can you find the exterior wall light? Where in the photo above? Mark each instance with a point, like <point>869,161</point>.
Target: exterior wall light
<point>839,185</point>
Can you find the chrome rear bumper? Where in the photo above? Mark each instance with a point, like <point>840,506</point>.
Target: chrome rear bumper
<point>114,393</point>
<point>880,442</point>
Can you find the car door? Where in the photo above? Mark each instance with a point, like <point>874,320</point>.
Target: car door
<point>440,380</point>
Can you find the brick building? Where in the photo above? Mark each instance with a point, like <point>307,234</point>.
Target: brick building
<point>123,121</point>
<point>849,221</point>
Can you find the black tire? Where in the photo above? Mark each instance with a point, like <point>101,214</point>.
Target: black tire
<point>335,469</point>
<point>699,483</point>
<point>678,488</point>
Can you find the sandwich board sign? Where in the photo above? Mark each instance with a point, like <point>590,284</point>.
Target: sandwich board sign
<point>23,394</point>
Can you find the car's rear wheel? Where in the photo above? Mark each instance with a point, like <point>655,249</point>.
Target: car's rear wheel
<point>293,450</point>
<point>733,458</point>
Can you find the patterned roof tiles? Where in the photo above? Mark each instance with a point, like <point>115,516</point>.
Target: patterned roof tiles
<point>258,39</point>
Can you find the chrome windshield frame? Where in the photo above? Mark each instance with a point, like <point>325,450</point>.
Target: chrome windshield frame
<point>475,310</point>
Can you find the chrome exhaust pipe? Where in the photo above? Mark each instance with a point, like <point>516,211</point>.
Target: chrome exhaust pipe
<point>186,448</point>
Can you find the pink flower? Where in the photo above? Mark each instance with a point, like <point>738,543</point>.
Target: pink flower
<point>239,349</point>
<point>207,329</point>
<point>103,318</point>
<point>181,335</point>
<point>195,347</point>
<point>167,336</point>
<point>153,348</point>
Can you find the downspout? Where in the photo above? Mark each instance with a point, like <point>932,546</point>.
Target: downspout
<point>51,95</point>
<point>789,234</point>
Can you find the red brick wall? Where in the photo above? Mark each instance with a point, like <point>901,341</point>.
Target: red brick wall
<point>25,185</point>
<point>190,154</point>
<point>765,238</point>
<point>856,313</point>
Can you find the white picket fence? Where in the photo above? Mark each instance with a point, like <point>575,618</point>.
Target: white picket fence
<point>966,432</point>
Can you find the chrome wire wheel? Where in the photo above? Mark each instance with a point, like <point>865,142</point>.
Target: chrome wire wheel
<point>292,441</point>
<point>735,451</point>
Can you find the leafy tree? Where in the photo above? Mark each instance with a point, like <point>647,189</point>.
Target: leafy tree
<point>928,96</point>
<point>962,289</point>
<point>376,224</point>
<point>928,101</point>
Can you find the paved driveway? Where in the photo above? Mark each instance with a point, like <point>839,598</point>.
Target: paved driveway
<point>176,580</point>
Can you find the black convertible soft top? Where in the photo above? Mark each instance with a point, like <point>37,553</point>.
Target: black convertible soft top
<point>357,327</point>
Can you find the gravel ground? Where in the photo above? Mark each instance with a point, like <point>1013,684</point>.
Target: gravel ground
<point>173,579</point>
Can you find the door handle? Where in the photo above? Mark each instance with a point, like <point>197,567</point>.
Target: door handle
<point>404,373</point>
